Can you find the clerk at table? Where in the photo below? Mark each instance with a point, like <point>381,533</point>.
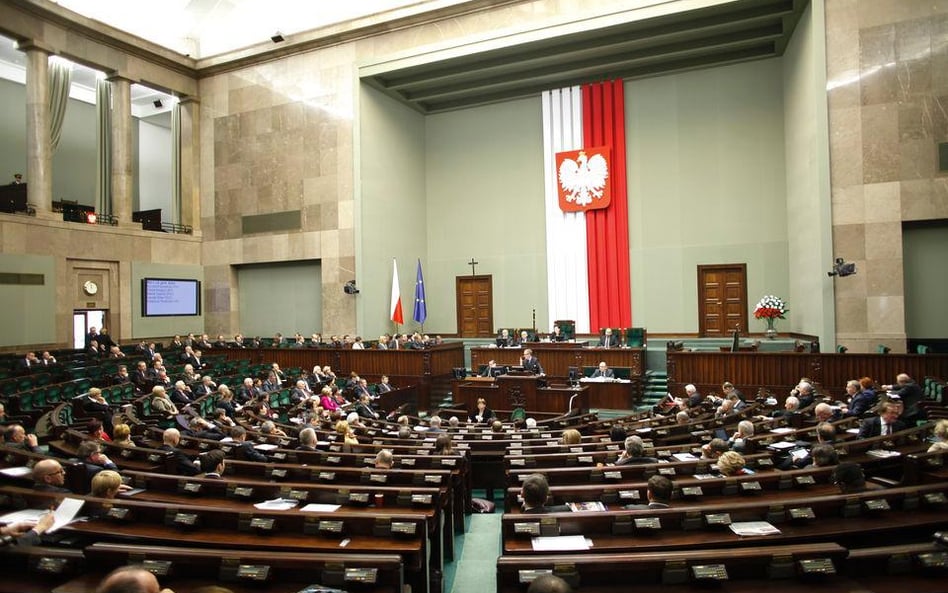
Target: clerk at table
<point>608,340</point>
<point>603,371</point>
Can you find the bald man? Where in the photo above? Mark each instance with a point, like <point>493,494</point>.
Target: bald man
<point>130,579</point>
<point>49,476</point>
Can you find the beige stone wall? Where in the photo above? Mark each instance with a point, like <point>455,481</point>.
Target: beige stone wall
<point>887,72</point>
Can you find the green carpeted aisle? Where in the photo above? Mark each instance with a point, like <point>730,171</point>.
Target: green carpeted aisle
<point>476,570</point>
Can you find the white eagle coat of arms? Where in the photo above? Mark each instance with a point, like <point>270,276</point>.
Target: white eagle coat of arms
<point>583,179</point>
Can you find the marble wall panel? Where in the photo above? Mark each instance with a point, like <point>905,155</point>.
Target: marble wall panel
<point>882,203</point>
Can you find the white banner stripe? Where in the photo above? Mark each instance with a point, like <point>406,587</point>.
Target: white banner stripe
<point>567,281</point>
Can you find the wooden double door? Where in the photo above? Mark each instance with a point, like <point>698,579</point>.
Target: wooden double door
<point>722,300</point>
<point>475,307</point>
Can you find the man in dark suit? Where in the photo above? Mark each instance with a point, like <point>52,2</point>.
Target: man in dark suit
<point>181,394</point>
<point>659,494</point>
<point>212,464</point>
<point>535,491</point>
<point>608,339</point>
<point>911,394</point>
<point>307,439</point>
<point>244,449</point>
<point>531,363</point>
<point>634,453</point>
<point>94,460</point>
<point>183,465</point>
<point>603,371</point>
<point>140,377</point>
<point>886,423</point>
<point>694,396</point>
<point>364,408</point>
<point>383,386</point>
<point>29,361</point>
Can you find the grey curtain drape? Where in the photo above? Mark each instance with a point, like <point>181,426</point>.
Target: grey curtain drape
<point>59,77</point>
<point>103,142</point>
<point>176,163</point>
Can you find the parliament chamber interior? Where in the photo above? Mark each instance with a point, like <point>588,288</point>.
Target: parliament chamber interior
<point>457,296</point>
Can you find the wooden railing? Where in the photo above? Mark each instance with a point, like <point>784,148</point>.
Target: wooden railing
<point>780,371</point>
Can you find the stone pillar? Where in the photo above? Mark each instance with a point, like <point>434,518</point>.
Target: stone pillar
<point>122,180</point>
<point>38,152</point>
<point>191,163</point>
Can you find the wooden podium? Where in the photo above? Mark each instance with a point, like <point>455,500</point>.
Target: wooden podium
<point>511,391</point>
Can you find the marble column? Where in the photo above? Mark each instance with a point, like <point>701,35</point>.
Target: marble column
<point>38,150</point>
<point>122,179</point>
<point>191,163</point>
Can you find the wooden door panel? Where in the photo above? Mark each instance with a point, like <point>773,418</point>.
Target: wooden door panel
<point>722,299</point>
<point>474,302</point>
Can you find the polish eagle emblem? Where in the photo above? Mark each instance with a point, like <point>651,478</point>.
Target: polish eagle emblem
<point>583,179</point>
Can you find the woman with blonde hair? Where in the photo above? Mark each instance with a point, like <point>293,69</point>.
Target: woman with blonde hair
<point>571,436</point>
<point>731,463</point>
<point>349,439</point>
<point>106,484</point>
<point>122,435</point>
<point>940,433</point>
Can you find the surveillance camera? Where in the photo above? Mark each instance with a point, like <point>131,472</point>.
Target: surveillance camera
<point>842,269</point>
<point>350,287</point>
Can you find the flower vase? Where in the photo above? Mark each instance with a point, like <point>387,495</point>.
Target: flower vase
<point>771,332</point>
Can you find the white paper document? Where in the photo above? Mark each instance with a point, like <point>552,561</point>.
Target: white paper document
<point>754,528</point>
<point>561,543</point>
<point>65,513</point>
<point>684,457</point>
<point>315,507</point>
<point>26,515</point>
<point>782,430</point>
<point>17,472</point>
<point>265,447</point>
<point>277,504</point>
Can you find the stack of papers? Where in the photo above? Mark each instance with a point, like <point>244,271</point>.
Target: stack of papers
<point>277,504</point>
<point>782,430</point>
<point>17,472</point>
<point>562,543</point>
<point>586,506</point>
<point>320,508</point>
<point>882,453</point>
<point>684,457</point>
<point>754,528</point>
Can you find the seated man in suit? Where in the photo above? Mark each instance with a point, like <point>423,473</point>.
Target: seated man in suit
<point>133,578</point>
<point>603,371</point>
<point>886,423</point>
<point>49,476</point>
<point>244,449</point>
<point>659,494</point>
<point>94,460</point>
<point>531,363</point>
<point>504,339</point>
<point>212,464</point>
<point>850,478</point>
<point>535,491</point>
<point>383,386</point>
<point>16,437</point>
<point>745,430</point>
<point>183,465</point>
<point>694,397</point>
<point>634,453</point>
<point>307,439</point>
<point>608,339</point>
<point>524,338</point>
<point>29,361</point>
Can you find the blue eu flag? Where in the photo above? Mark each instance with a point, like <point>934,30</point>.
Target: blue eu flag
<point>421,309</point>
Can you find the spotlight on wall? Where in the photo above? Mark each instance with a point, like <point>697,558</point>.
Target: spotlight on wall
<point>350,287</point>
<point>157,103</point>
<point>842,269</point>
<point>276,38</point>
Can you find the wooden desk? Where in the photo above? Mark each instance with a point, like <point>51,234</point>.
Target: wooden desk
<point>556,358</point>
<point>507,389</point>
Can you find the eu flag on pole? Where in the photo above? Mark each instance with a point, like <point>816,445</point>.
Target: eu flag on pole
<point>421,309</point>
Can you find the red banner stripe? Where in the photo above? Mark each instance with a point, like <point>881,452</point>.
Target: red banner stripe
<point>607,230</point>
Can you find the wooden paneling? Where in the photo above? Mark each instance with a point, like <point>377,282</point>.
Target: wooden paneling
<point>535,399</point>
<point>780,371</point>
